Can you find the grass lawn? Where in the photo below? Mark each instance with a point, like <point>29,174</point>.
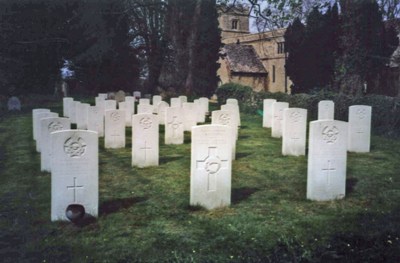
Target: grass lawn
<point>145,214</point>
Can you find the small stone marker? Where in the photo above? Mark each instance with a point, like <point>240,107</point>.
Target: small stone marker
<point>111,95</point>
<point>183,99</point>
<point>144,101</point>
<point>145,108</point>
<point>96,120</point>
<point>232,101</point>
<point>224,117</point>
<point>267,113</point>
<point>74,172</point>
<point>110,105</point>
<point>294,128</point>
<point>211,166</point>
<point>40,116</point>
<point>156,100</point>
<point>326,110</point>
<point>327,157</point>
<point>67,102</point>
<point>137,95</point>
<point>145,140</point>
<point>35,120</point>
<point>120,96</point>
<point>14,104</point>
<point>161,108</point>
<point>359,128</point>
<point>49,125</point>
<point>174,130</point>
<point>81,116</point>
<point>189,115</point>
<point>114,123</point>
<point>277,114</point>
<point>176,102</point>
<point>102,96</point>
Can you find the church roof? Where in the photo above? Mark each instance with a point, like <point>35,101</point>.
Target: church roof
<point>243,59</point>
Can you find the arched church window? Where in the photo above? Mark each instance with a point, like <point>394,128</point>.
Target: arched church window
<point>235,24</point>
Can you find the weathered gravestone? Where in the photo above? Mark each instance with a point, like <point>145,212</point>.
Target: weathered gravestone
<point>49,125</point>
<point>267,112</point>
<point>327,157</point>
<point>294,128</point>
<point>74,172</point>
<point>14,104</point>
<point>235,109</point>
<point>111,95</point>
<point>96,120</point>
<point>228,118</point>
<point>40,116</point>
<point>144,101</point>
<point>67,103</point>
<point>189,115</point>
<point>110,105</point>
<point>145,108</point>
<point>161,108</point>
<point>120,96</point>
<point>114,123</point>
<point>277,114</point>
<point>359,128</point>
<point>156,100</point>
<point>175,102</point>
<point>145,140</point>
<point>82,116</point>
<point>326,110</point>
<point>174,130</point>
<point>211,166</point>
<point>35,120</point>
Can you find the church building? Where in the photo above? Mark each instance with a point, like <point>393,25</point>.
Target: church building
<point>256,60</point>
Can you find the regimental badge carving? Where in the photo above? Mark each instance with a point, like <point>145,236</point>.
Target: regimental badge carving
<point>75,147</point>
<point>295,116</point>
<point>55,126</point>
<point>361,113</point>
<point>224,118</point>
<point>213,165</point>
<point>330,134</point>
<point>146,123</point>
<point>115,116</point>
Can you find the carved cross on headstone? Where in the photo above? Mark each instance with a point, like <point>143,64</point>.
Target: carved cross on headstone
<point>145,148</point>
<point>328,170</point>
<point>74,188</point>
<point>212,164</point>
<point>175,123</point>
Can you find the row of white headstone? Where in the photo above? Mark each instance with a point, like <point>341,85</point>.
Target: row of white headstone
<point>329,141</point>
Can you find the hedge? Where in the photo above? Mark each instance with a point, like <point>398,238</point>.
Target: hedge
<point>385,109</point>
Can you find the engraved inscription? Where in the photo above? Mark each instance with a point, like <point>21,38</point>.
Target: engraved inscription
<point>361,113</point>
<point>146,123</point>
<point>330,134</point>
<point>295,116</point>
<point>224,119</point>
<point>55,126</point>
<point>75,147</point>
<point>115,116</point>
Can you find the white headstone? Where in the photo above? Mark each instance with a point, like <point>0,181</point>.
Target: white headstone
<point>35,120</point>
<point>145,108</point>
<point>267,113</point>
<point>77,106</point>
<point>183,99</point>
<point>110,105</point>
<point>175,102</point>
<point>211,166</point>
<point>49,125</point>
<point>204,104</point>
<point>98,100</point>
<point>72,111</point>
<point>277,114</point>
<point>40,116</point>
<point>189,115</point>
<point>102,96</point>
<point>81,116</point>
<point>67,102</point>
<point>74,172</point>
<point>232,101</point>
<point>327,157</point>
<point>201,115</point>
<point>95,117</point>
<point>294,128</point>
<point>235,109</point>
<point>137,95</point>
<point>228,118</point>
<point>359,128</point>
<point>161,107</point>
<point>128,113</point>
<point>120,96</point>
<point>174,130</point>
<point>144,101</point>
<point>114,123</point>
<point>14,104</point>
<point>156,100</point>
<point>145,140</point>
<point>326,110</point>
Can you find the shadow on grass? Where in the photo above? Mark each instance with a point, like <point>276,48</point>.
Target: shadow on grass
<point>113,206</point>
<point>242,155</point>
<point>167,159</point>
<point>240,194</point>
<point>350,184</point>
<point>242,137</point>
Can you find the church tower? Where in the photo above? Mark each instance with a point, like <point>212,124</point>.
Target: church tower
<point>233,21</point>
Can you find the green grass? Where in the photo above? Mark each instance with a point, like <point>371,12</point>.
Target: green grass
<point>145,214</point>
